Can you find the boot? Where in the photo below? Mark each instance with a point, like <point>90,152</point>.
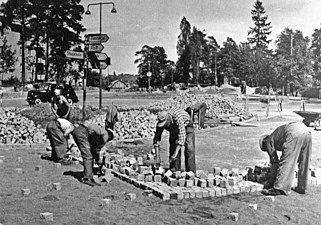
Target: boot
<point>91,182</point>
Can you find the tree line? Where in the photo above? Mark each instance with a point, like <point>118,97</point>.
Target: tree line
<point>50,27</point>
<point>292,65</point>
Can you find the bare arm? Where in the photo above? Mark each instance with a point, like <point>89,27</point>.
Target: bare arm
<point>54,107</point>
<point>64,100</point>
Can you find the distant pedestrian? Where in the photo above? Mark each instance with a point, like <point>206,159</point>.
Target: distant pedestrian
<point>59,105</point>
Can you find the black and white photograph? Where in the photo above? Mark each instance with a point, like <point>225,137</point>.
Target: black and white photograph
<point>159,112</point>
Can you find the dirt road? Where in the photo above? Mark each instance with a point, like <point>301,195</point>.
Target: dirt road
<point>78,204</point>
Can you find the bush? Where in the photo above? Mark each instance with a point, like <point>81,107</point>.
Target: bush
<point>310,93</point>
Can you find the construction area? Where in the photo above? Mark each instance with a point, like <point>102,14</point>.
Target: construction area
<point>226,188</point>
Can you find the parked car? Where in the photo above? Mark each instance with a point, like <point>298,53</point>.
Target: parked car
<point>45,94</point>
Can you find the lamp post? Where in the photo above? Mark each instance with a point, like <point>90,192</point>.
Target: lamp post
<point>113,10</point>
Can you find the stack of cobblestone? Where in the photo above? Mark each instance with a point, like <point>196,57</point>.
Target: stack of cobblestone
<point>262,173</point>
<point>168,185</point>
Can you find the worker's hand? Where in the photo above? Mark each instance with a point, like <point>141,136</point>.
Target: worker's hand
<point>174,156</point>
<point>102,155</point>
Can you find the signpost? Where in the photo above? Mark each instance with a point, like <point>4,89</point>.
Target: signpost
<point>96,38</point>
<point>95,47</point>
<point>74,54</point>
<point>104,64</point>
<point>101,56</point>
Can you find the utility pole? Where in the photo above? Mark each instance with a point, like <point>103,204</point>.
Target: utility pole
<point>23,65</point>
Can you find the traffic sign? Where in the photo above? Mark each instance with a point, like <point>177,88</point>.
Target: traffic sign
<point>96,38</point>
<point>74,54</point>
<point>149,74</point>
<point>101,56</point>
<point>98,60</point>
<point>95,47</point>
<point>103,65</point>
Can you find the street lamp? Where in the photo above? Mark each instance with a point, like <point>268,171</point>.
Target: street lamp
<point>113,10</point>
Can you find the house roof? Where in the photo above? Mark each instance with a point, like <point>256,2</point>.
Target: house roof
<point>115,82</point>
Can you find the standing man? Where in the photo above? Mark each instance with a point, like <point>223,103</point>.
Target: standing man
<point>295,142</point>
<point>58,131</point>
<point>90,139</point>
<point>181,137</point>
<point>200,109</point>
<point>59,105</point>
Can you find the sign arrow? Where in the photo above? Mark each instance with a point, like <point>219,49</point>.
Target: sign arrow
<point>103,65</point>
<point>101,56</point>
<point>74,54</point>
<point>96,38</point>
<point>95,47</point>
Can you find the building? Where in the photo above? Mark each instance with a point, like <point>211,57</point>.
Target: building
<point>117,85</point>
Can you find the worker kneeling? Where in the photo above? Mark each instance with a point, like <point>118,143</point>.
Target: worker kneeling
<point>295,142</point>
<point>90,139</point>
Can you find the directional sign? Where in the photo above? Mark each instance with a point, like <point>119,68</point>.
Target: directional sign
<point>103,65</point>
<point>149,74</point>
<point>74,54</point>
<point>98,60</point>
<point>96,38</point>
<point>101,56</point>
<point>95,47</point>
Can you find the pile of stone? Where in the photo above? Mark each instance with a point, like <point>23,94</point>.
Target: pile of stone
<point>261,173</point>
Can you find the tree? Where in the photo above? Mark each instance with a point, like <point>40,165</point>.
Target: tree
<point>210,59</point>
<point>258,38</point>
<point>154,60</point>
<point>8,58</point>
<point>16,15</point>
<point>258,35</point>
<point>55,23</point>
<point>247,69</point>
<point>197,46</point>
<point>293,58</point>
<point>316,54</point>
<point>228,60</point>
<point>183,50</point>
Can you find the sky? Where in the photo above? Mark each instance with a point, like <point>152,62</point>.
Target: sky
<point>156,23</point>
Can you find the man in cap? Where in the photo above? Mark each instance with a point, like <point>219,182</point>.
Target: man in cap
<point>58,131</point>
<point>198,108</point>
<point>295,142</point>
<point>90,139</point>
<point>181,136</point>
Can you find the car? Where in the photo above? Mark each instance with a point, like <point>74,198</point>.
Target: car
<point>45,94</point>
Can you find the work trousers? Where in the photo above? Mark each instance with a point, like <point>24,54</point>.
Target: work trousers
<point>295,150</point>
<point>88,152</point>
<point>189,153</point>
<point>201,115</point>
<point>57,140</point>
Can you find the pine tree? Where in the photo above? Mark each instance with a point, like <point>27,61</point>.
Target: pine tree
<point>258,35</point>
<point>183,50</point>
